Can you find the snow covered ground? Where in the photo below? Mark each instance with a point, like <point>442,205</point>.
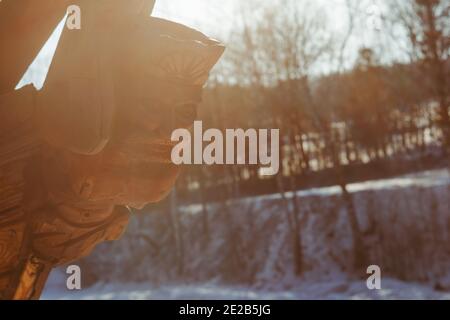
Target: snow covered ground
<point>340,289</point>
<point>408,195</point>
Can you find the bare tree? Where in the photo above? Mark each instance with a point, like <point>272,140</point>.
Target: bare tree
<point>427,23</point>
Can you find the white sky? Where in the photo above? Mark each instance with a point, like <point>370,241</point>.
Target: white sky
<point>218,17</point>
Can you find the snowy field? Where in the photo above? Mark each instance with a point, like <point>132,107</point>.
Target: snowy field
<point>333,286</point>
<point>304,290</point>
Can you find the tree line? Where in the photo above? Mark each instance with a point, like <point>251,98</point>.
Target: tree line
<point>378,103</point>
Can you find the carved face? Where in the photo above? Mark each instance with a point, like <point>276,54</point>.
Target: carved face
<point>150,84</point>
<point>161,80</point>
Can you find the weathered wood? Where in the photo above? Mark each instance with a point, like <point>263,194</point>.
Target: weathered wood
<point>96,139</point>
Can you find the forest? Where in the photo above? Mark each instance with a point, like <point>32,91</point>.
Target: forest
<point>348,112</point>
<point>361,118</point>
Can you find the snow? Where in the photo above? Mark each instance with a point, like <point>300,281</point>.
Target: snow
<point>424,179</point>
<point>409,215</point>
<point>337,289</point>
